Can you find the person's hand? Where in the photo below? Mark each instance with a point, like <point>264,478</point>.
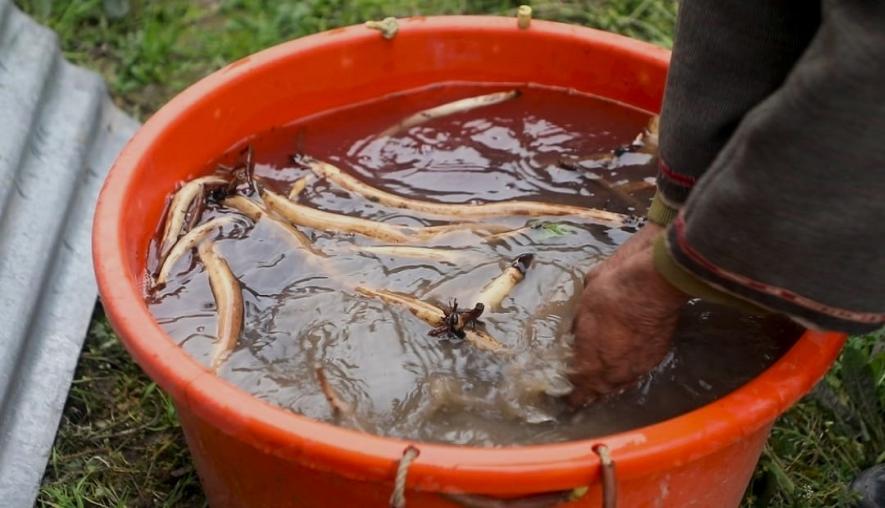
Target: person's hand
<point>626,318</point>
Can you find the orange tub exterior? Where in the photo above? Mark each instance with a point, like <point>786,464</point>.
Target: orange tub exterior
<point>252,454</point>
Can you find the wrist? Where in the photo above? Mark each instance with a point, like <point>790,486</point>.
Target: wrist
<point>671,295</point>
<point>639,281</point>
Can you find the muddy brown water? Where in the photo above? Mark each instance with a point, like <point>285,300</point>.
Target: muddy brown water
<point>378,357</point>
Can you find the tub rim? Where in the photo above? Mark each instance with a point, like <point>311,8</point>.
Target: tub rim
<point>444,468</point>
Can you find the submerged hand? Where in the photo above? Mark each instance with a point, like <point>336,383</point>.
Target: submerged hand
<point>625,321</point>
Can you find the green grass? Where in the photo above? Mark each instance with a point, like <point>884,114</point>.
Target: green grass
<point>159,47</point>
<point>818,447</point>
<point>120,444</point>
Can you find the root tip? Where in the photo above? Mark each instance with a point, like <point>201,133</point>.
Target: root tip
<point>523,262</point>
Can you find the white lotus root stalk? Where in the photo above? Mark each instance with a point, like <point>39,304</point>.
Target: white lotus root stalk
<point>434,316</point>
<point>189,241</point>
<point>495,292</point>
<point>306,216</point>
<point>405,251</point>
<point>297,188</point>
<point>228,303</point>
<point>182,202</point>
<point>326,221</point>
<point>646,142</point>
<point>514,233</point>
<point>451,108</point>
<point>257,212</point>
<point>650,140</point>
<point>635,186</point>
<point>461,211</point>
<point>480,228</point>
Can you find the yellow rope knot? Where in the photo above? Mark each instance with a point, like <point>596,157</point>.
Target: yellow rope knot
<point>387,26</point>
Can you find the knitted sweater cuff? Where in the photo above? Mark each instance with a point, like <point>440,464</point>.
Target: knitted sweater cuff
<point>692,285</point>
<point>660,212</point>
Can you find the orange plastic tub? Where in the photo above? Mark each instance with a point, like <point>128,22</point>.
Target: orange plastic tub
<point>252,454</point>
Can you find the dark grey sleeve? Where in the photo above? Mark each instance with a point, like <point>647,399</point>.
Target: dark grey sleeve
<point>729,55</point>
<point>791,213</point>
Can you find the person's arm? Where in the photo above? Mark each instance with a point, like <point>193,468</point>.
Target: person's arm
<point>788,211</point>
<point>791,214</point>
<point>728,56</point>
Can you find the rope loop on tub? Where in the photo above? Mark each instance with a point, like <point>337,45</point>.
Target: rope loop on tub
<point>524,16</point>
<point>609,482</point>
<point>387,26</point>
<point>398,496</point>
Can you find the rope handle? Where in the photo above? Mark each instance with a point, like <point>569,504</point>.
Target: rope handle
<point>387,26</point>
<point>545,500</point>
<point>398,496</point>
<point>609,481</point>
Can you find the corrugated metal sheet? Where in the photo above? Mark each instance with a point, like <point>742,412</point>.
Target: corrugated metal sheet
<point>59,133</point>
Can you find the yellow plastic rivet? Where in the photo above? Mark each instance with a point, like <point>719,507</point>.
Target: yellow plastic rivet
<point>523,16</point>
